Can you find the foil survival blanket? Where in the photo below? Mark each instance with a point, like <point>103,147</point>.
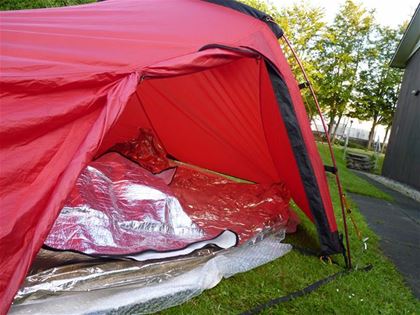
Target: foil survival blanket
<point>119,208</point>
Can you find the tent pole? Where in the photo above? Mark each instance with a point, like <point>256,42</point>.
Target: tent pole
<point>337,178</point>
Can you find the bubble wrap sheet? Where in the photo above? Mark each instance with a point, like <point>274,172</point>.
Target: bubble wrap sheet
<point>170,286</point>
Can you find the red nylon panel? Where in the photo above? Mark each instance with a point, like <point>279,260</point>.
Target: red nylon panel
<point>45,144</point>
<point>212,119</point>
<point>195,62</point>
<point>133,117</point>
<point>65,78</point>
<point>131,120</point>
<point>115,35</point>
<point>279,144</point>
<point>308,137</point>
<point>270,48</point>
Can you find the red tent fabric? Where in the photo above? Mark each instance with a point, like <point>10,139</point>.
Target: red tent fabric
<point>212,82</point>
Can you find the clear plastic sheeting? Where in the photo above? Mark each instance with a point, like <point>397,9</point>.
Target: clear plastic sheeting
<point>81,274</point>
<point>139,288</point>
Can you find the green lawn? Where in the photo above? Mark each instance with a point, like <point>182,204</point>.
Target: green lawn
<point>35,4</point>
<point>350,181</point>
<point>380,291</point>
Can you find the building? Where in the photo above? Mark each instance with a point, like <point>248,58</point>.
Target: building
<point>357,130</point>
<point>402,160</point>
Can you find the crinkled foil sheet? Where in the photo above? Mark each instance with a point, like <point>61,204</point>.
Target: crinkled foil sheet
<point>145,150</point>
<point>119,208</point>
<point>135,201</point>
<point>80,285</point>
<point>54,274</point>
<point>215,203</point>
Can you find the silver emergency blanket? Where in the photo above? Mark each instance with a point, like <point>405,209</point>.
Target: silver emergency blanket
<point>120,208</point>
<point>130,287</point>
<point>141,242</point>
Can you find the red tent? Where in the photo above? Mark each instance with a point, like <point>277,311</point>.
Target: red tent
<point>209,77</point>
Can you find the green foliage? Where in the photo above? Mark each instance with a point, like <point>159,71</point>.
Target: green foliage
<point>342,50</point>
<point>303,25</point>
<point>350,181</point>
<point>35,4</point>
<point>378,85</point>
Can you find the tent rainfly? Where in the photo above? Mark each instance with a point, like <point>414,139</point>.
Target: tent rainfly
<point>207,77</point>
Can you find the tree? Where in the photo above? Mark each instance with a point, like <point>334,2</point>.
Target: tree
<point>378,86</point>
<point>341,51</point>
<point>35,4</point>
<point>346,61</point>
<point>303,25</point>
<point>264,6</point>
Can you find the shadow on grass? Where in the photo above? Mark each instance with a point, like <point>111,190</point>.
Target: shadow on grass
<point>303,238</point>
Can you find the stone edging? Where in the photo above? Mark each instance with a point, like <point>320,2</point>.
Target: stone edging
<point>404,189</point>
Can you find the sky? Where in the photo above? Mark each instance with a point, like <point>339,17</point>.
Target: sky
<point>388,12</point>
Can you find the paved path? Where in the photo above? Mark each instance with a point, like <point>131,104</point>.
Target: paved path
<point>398,225</point>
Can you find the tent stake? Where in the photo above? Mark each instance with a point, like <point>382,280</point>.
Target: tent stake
<point>337,178</point>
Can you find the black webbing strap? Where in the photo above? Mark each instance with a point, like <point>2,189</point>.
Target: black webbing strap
<point>303,85</point>
<point>258,309</point>
<point>330,169</point>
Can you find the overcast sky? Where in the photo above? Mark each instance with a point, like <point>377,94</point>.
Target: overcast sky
<point>388,12</point>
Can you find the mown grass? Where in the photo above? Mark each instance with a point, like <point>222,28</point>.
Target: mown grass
<point>36,4</point>
<point>351,182</point>
<point>380,291</point>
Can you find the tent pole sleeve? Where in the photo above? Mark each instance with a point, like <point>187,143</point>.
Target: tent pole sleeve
<point>337,178</point>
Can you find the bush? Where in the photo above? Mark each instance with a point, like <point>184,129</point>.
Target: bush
<point>356,145</point>
<point>35,4</point>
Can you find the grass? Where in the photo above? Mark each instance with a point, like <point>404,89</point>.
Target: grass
<point>36,4</point>
<point>380,291</point>
<point>350,181</point>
